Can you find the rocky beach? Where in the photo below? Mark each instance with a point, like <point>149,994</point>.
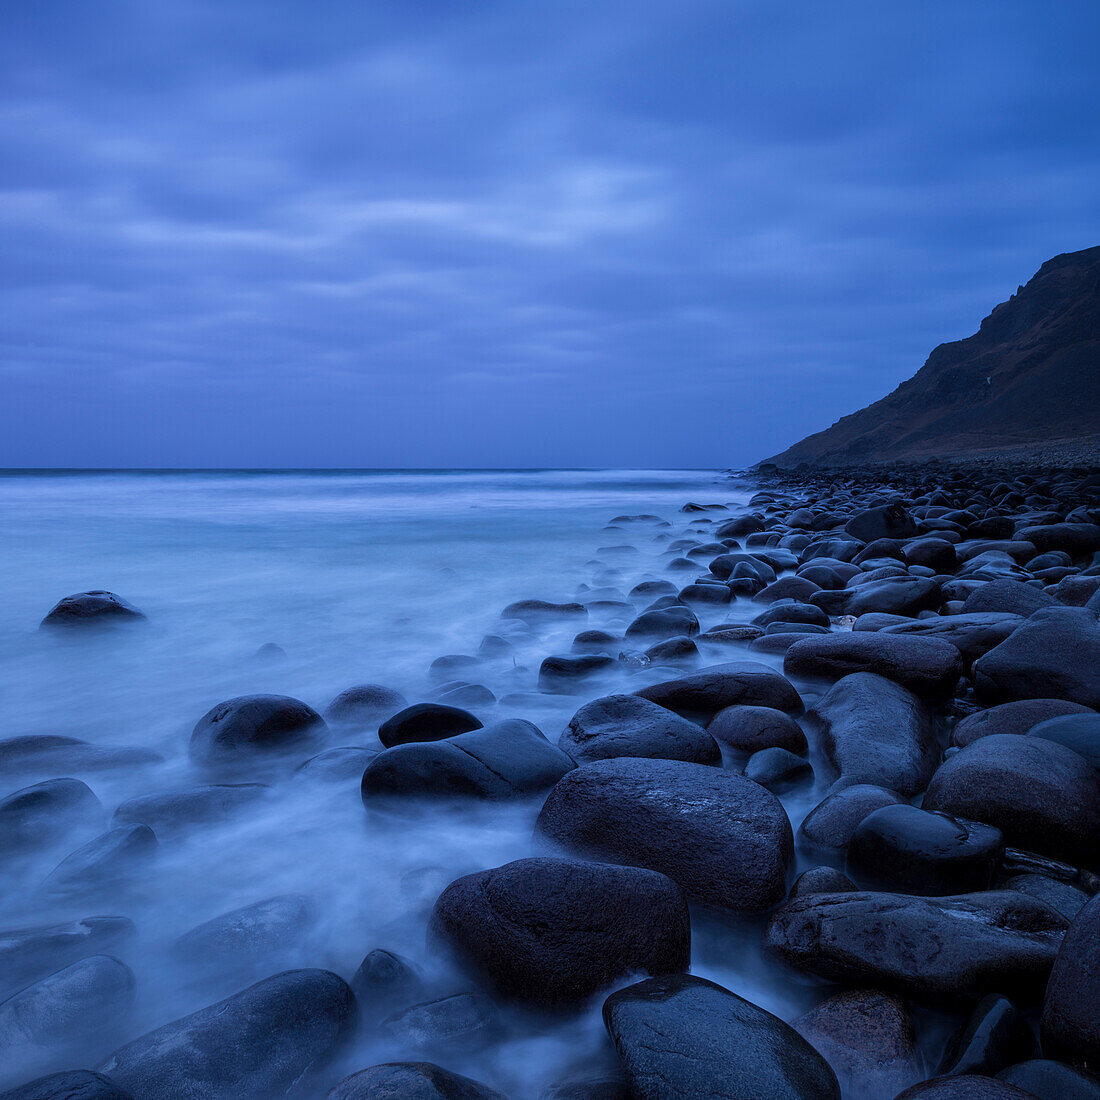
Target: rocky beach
<point>786,790</point>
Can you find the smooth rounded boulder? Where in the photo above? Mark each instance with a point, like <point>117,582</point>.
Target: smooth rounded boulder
<point>829,826</point>
<point>1070,1027</point>
<point>964,1087</point>
<point>96,608</point>
<point>683,1037</point>
<point>556,931</point>
<point>426,722</point>
<point>937,950</point>
<point>364,706</point>
<point>1041,795</point>
<point>1018,717</point>
<point>628,725</point>
<point>410,1081</point>
<point>703,694</point>
<point>912,851</point>
<point>723,838</point>
<point>47,813</point>
<point>255,728</point>
<point>253,1045</point>
<point>928,667</point>
<point>745,730</point>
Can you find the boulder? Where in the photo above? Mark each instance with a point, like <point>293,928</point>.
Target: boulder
<point>1070,1027</point>
<point>46,814</point>
<point>628,725</point>
<point>891,595</point>
<point>778,770</point>
<point>664,622</point>
<point>410,1081</point>
<point>724,839</point>
<point>703,694</point>
<point>872,730</point>
<point>504,760</point>
<point>540,611</point>
<point>364,706</point>
<point>77,1084</point>
<point>971,635</point>
<point>1047,1080</point>
<point>995,1036</point>
<point>938,950</point>
<point>53,754</point>
<point>385,983</point>
<point>426,722</point>
<point>556,931</point>
<point>254,728</point>
<point>253,1045</point>
<point>570,672</point>
<point>890,521</point>
<point>463,1022</point>
<point>965,1087</point>
<point>928,667</point>
<point>745,730</point>
<point>1054,655</point>
<point>683,1037</point>
<point>97,608</point>
<point>1042,796</point>
<point>1079,732</point>
<point>1007,597</point>
<point>1016,718</point>
<point>829,826</point>
<point>104,863</point>
<point>170,813</point>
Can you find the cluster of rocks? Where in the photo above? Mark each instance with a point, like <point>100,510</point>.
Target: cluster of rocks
<point>916,654</point>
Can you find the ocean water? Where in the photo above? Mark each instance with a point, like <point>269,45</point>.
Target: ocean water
<point>360,577</point>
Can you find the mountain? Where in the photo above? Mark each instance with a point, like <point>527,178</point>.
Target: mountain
<point>1028,380</point>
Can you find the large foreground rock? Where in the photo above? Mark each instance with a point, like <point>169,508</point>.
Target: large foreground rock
<point>971,635</point>
<point>253,728</point>
<point>252,1046</point>
<point>725,839</point>
<point>1054,655</point>
<point>97,608</point>
<point>555,931</point>
<point>504,760</point>
<point>1071,1022</point>
<point>628,725</point>
<point>684,1038</point>
<point>77,1084</point>
<point>928,667</point>
<point>874,731</point>
<point>1041,795</point>
<point>410,1081</point>
<point>702,695</point>
<point>931,949</point>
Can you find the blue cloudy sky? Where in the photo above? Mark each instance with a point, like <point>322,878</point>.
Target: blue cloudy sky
<point>522,233</point>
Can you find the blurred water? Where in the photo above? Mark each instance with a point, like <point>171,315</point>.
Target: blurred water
<point>360,577</point>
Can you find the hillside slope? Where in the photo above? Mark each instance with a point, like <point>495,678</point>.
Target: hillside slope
<point>1030,376</point>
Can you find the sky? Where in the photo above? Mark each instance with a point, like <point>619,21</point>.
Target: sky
<point>513,233</point>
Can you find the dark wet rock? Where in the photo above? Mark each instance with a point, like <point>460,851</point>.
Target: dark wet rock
<point>1070,1027</point>
<point>1048,1080</point>
<point>729,634</point>
<point>1076,539</point>
<point>464,1022</point>
<point>746,729</point>
<point>967,1087</point>
<point>253,728</point>
<point>912,851</point>
<point>52,753</point>
<point>937,554</point>
<point>995,1036</point>
<point>779,643</point>
<point>556,931</point>
<point>701,695</point>
<point>868,1038</point>
<point>410,1081</point>
<point>540,611</point>
<point>460,694</point>
<point>1008,596</point>
<point>829,826</point>
<point>792,612</point>
<point>73,1011</point>
<point>667,622</point>
<point>674,651</point>
<point>29,954</point>
<point>364,706</point>
<point>1076,591</point>
<point>77,1084</point>
<point>503,760</point>
<point>385,983</point>
<point>1055,655</point>
<point>931,949</point>
<point>723,838</point>
<point>971,635</point>
<point>46,814</point>
<point>872,730</point>
<point>728,567</point>
<point>648,590</point>
<point>890,521</point>
<point>1066,899</point>
<point>345,762</point>
<point>1041,795</point>
<point>742,525</point>
<point>928,667</point>
<point>253,935</point>
<point>588,1088</point>
<point>426,722</point>
<point>172,812</point>
<point>254,1045</point>
<point>566,673</point>
<point>820,880</point>
<point>893,595</point>
<point>1079,732</point>
<point>451,665</point>
<point>778,770</point>
<point>628,725</point>
<point>492,645</point>
<point>269,654</point>
<point>787,588</point>
<point>683,1037</point>
<point>96,608</point>
<point>594,641</point>
<point>705,594</point>
<point>1014,718</point>
<point>113,857</point>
